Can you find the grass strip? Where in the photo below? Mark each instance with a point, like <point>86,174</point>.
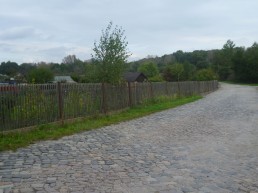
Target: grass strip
<point>17,139</point>
<point>241,83</point>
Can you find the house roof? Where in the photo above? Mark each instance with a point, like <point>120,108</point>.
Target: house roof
<point>133,76</point>
<point>67,79</point>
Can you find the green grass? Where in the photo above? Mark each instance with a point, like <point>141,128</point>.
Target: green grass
<point>241,83</point>
<point>23,138</point>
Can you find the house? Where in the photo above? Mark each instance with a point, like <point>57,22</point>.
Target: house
<point>135,77</point>
<point>63,79</point>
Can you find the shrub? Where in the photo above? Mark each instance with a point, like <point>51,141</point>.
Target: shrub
<point>205,75</point>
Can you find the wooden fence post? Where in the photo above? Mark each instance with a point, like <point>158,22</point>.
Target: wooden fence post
<point>179,90</point>
<point>198,87</point>
<point>60,102</point>
<point>104,98</point>
<point>129,94</point>
<point>167,89</point>
<point>151,91</point>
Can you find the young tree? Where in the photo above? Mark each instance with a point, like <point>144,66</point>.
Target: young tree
<point>110,55</point>
<point>173,72</point>
<point>178,70</point>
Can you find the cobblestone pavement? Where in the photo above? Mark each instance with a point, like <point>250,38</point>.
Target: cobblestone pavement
<point>207,146</point>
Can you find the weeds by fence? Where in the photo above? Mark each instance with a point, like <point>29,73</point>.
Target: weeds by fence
<point>29,105</point>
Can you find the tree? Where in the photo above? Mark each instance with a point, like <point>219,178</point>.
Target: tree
<point>110,55</point>
<point>250,67</point>
<point>189,71</point>
<point>229,45</point>
<point>40,75</point>
<point>178,70</point>
<point>180,56</point>
<point>25,68</point>
<point>9,68</point>
<point>70,59</point>
<point>205,75</point>
<point>240,65</point>
<point>224,60</point>
<point>173,72</point>
<point>149,69</point>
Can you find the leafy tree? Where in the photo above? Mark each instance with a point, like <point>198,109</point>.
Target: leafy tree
<point>149,69</point>
<point>229,46</point>
<point>189,71</point>
<point>167,74</point>
<point>173,72</point>
<point>70,59</point>
<point>178,70</point>
<point>240,65</point>
<point>224,61</point>
<point>110,55</point>
<point>89,73</point>
<point>199,59</point>
<point>252,60</point>
<point>180,56</point>
<point>9,68</point>
<point>246,64</point>
<point>205,75</point>
<point>25,68</point>
<point>133,66</point>
<point>40,75</point>
<point>70,64</point>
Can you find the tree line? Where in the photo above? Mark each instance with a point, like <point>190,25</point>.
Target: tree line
<point>230,63</point>
<point>109,63</point>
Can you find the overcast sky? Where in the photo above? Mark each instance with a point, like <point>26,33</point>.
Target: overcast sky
<point>49,30</point>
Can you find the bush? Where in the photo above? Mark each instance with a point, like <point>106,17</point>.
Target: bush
<point>157,78</point>
<point>205,75</point>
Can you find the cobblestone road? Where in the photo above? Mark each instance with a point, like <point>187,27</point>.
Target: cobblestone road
<point>207,146</point>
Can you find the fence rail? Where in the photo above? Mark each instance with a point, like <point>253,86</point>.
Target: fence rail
<point>29,105</point>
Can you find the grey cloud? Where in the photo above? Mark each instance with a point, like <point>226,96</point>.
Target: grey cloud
<point>20,33</point>
<point>49,29</point>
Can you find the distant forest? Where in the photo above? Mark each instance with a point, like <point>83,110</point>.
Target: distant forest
<point>231,63</point>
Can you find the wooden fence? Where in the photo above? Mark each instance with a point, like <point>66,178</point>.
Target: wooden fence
<point>30,105</point>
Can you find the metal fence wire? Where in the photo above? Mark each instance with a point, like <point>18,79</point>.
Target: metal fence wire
<point>30,105</point>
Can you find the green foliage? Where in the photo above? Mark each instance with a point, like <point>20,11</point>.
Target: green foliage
<point>189,71</point>
<point>229,46</point>
<point>173,72</point>
<point>79,103</point>
<point>108,64</point>
<point>34,107</point>
<point>110,55</point>
<point>25,68</point>
<point>157,78</point>
<point>223,62</point>
<point>246,64</point>
<point>205,75</point>
<point>149,69</point>
<point>9,68</point>
<point>40,75</point>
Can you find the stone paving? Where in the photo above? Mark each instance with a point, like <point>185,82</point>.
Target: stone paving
<point>207,146</point>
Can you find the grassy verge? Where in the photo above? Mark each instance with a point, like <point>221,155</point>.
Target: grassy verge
<point>241,83</point>
<point>14,140</point>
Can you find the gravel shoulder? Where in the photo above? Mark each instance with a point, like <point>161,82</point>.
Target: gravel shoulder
<point>210,145</point>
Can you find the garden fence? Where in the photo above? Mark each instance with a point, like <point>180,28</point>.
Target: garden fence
<point>30,105</point>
